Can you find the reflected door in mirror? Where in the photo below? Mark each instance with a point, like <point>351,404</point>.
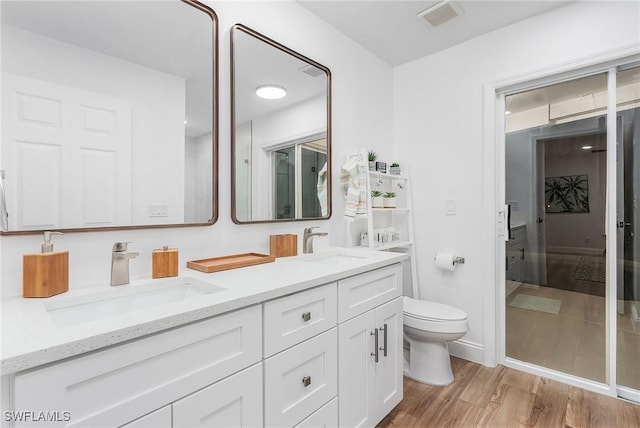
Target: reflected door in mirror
<point>108,114</point>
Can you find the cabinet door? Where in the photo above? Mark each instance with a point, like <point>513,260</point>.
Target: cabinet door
<point>116,385</point>
<point>161,418</point>
<point>233,402</point>
<point>356,367</point>
<point>388,370</point>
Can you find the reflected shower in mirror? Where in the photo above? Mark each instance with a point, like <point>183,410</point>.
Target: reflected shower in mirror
<point>108,114</point>
<point>281,132</point>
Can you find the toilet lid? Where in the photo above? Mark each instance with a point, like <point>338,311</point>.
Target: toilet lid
<point>427,310</point>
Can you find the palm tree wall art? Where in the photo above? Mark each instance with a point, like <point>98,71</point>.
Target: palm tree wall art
<point>567,194</point>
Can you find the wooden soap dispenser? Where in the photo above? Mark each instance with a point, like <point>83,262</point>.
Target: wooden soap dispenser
<point>165,262</point>
<point>47,273</point>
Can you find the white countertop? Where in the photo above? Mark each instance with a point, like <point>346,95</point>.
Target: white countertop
<point>30,339</point>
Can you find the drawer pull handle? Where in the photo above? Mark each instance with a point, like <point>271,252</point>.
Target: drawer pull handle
<point>375,345</point>
<point>384,340</point>
<point>306,381</point>
<point>306,316</point>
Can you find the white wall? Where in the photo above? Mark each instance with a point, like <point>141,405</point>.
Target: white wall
<point>438,130</point>
<point>361,117</point>
<point>157,102</point>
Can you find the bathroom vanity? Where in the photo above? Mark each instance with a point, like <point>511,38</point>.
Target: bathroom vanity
<point>264,348</point>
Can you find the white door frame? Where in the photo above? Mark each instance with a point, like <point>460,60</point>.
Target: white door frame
<point>493,157</point>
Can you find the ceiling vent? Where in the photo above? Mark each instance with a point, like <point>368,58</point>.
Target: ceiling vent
<point>312,71</point>
<point>440,13</point>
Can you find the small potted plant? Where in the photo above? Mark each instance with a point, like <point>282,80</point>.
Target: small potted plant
<point>394,169</point>
<point>377,201</point>
<point>372,156</point>
<point>389,200</point>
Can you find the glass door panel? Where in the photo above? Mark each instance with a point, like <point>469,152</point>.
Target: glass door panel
<point>628,221</point>
<point>555,160</point>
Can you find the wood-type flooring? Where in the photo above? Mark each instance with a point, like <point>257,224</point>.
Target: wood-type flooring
<point>503,397</point>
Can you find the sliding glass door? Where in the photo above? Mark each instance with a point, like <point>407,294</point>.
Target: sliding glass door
<point>628,228</point>
<point>558,313</point>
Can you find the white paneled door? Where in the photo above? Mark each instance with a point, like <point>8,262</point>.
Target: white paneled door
<point>67,155</point>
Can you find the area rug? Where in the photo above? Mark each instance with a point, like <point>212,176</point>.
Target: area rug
<point>535,303</point>
<point>591,268</point>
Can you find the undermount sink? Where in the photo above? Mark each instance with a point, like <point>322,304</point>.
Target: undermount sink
<point>76,310</point>
<point>340,258</point>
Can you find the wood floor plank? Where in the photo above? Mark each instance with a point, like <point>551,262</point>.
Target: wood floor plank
<point>509,407</point>
<point>481,388</point>
<point>500,397</point>
<point>452,414</point>
<point>550,406</point>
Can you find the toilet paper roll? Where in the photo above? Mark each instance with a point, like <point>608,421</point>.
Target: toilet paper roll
<point>444,261</point>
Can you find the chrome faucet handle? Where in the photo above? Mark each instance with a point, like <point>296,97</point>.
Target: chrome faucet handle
<point>121,246</point>
<point>308,230</point>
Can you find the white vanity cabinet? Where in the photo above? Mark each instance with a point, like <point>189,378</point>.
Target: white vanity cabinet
<point>273,364</point>
<point>119,385</point>
<point>370,346</point>
<point>301,346</point>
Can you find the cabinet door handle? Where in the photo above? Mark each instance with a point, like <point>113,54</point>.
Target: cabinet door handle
<point>306,316</point>
<point>375,354</point>
<point>306,381</point>
<point>384,340</point>
<point>522,254</point>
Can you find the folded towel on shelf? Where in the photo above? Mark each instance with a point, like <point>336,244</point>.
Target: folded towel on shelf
<point>322,190</point>
<point>353,181</point>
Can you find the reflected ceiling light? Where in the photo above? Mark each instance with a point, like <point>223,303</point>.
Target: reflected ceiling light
<point>587,147</point>
<point>507,112</point>
<point>271,92</point>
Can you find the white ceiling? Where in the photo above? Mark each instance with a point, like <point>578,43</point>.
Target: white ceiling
<point>391,30</point>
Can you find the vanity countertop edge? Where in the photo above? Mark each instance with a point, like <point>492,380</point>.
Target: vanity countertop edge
<point>29,338</point>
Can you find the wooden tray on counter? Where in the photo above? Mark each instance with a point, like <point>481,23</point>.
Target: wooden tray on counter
<point>215,264</point>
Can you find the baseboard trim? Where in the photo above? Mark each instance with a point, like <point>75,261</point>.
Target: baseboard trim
<point>467,350</point>
<point>575,250</point>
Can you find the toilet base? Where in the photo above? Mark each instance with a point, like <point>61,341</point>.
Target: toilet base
<point>429,363</point>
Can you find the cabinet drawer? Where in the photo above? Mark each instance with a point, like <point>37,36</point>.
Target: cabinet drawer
<point>300,380</point>
<point>363,292</point>
<point>233,402</point>
<point>518,236</point>
<point>119,384</point>
<point>325,417</point>
<point>292,319</point>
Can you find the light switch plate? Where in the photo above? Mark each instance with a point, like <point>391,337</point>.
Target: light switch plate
<point>450,207</point>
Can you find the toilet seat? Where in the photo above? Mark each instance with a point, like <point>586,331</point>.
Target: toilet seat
<point>431,311</point>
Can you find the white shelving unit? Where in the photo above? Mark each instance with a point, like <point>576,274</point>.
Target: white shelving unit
<point>399,218</point>
<point>380,220</point>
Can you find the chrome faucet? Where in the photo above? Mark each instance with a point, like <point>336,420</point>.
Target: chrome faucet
<point>307,239</point>
<point>120,263</point>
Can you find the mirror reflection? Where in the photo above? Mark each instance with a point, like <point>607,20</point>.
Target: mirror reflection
<point>281,132</point>
<point>108,114</point>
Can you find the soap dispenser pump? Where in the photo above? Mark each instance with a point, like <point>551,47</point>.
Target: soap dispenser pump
<point>45,274</point>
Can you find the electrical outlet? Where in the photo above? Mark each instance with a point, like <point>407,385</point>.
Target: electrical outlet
<point>158,210</point>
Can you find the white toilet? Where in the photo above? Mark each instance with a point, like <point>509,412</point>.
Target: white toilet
<point>428,326</point>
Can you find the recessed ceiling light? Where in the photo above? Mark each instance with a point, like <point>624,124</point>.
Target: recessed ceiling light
<point>587,147</point>
<point>271,92</point>
<point>507,112</point>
